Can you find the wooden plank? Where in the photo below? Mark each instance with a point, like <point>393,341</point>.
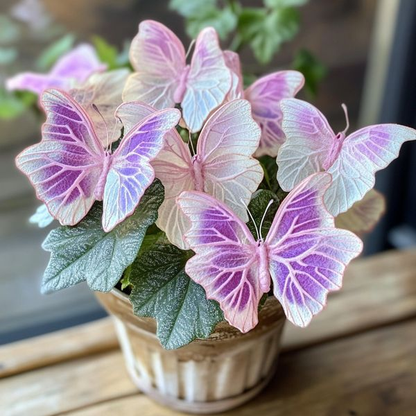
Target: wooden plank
<point>83,340</point>
<point>377,291</point>
<point>368,374</point>
<point>63,387</point>
<point>22,305</point>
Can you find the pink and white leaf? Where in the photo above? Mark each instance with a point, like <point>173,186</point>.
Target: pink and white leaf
<point>158,57</point>
<point>173,167</point>
<point>265,96</point>
<point>131,172</point>
<point>363,153</point>
<point>312,146</point>
<point>309,139</point>
<point>104,91</point>
<point>225,147</point>
<point>208,81</point>
<point>232,60</point>
<point>225,263</point>
<point>71,69</point>
<point>65,167</point>
<point>308,255</point>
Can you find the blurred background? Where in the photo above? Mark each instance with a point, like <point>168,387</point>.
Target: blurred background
<point>360,52</point>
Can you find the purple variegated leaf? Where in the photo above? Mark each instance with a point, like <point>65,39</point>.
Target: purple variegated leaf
<point>131,173</point>
<point>225,263</point>
<point>70,70</point>
<point>312,146</point>
<point>70,169</point>
<point>158,57</point>
<point>208,81</point>
<point>307,254</point>
<point>162,77</point>
<point>65,167</point>
<point>265,96</point>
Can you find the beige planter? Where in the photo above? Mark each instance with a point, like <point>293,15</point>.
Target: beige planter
<point>206,376</point>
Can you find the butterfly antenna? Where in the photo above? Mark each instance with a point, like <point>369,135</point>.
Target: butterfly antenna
<point>189,49</point>
<point>264,216</point>
<point>344,107</point>
<point>191,143</point>
<point>252,219</point>
<point>105,124</point>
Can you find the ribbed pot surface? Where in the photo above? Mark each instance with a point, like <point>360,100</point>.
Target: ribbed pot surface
<point>206,376</point>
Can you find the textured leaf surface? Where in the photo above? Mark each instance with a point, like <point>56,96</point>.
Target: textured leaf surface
<point>162,290</point>
<point>87,253</point>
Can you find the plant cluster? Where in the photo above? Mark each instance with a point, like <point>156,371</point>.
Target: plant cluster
<point>195,196</point>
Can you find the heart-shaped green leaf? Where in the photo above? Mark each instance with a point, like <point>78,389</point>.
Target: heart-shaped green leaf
<point>162,290</point>
<point>87,253</point>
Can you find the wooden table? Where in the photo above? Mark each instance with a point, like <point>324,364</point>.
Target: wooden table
<point>357,358</point>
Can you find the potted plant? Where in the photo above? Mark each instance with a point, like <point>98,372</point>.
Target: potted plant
<point>203,214</point>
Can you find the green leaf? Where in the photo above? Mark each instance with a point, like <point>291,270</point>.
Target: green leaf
<point>53,52</point>
<point>258,206</point>
<point>151,238</point>
<point>10,105</point>
<point>224,21</point>
<point>275,4</point>
<point>312,69</point>
<point>13,104</point>
<point>269,166</point>
<point>125,280</point>
<point>162,290</point>
<point>192,8</point>
<point>86,253</point>
<point>266,30</point>
<point>107,53</point>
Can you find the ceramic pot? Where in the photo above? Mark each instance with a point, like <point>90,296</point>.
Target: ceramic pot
<point>208,375</point>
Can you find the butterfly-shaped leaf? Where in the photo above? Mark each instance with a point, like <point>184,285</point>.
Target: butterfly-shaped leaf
<point>223,165</point>
<point>265,96</point>
<point>163,78</point>
<point>312,146</point>
<point>70,169</point>
<point>303,254</point>
<point>71,69</point>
